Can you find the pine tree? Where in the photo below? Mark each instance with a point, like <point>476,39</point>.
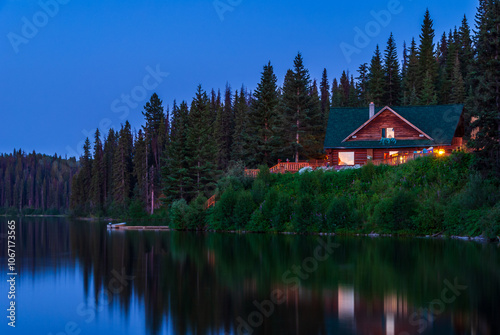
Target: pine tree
<point>376,80</point>
<point>484,103</point>
<point>122,168</point>
<point>391,74</point>
<point>353,94</point>
<point>110,145</point>
<point>140,170</point>
<point>301,115</point>
<point>325,98</point>
<point>411,79</point>
<point>363,84</point>
<point>97,182</point>
<point>239,148</point>
<point>224,127</point>
<point>465,49</point>
<point>201,144</point>
<point>176,177</point>
<point>404,66</point>
<point>344,89</point>
<point>263,120</point>
<point>457,94</point>
<point>428,93</point>
<point>427,65</point>
<point>336,94</point>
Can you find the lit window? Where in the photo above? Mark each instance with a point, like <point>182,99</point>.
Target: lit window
<point>393,153</point>
<point>387,132</point>
<point>346,158</point>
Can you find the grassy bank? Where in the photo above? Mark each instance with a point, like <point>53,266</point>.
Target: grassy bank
<point>426,196</point>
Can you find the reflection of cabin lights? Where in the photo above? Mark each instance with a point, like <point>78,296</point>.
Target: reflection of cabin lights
<point>441,152</point>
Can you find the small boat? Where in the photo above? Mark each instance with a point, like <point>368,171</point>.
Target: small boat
<point>116,225</point>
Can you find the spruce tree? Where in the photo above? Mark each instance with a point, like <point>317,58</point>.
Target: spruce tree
<point>465,51</point>
<point>176,177</point>
<point>240,146</point>
<point>201,145</point>
<point>301,115</point>
<point>411,79</point>
<point>363,84</point>
<point>484,103</point>
<point>122,168</point>
<point>325,97</point>
<point>97,182</point>
<point>344,89</point>
<point>263,133</point>
<point>427,65</point>
<point>224,127</point>
<point>391,74</point>
<point>140,170</point>
<point>336,94</point>
<point>457,94</point>
<point>376,79</point>
<point>110,145</point>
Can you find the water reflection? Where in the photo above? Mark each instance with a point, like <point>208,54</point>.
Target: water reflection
<point>197,283</point>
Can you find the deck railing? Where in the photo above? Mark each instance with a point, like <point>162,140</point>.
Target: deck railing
<point>210,202</point>
<point>284,167</point>
<point>404,158</point>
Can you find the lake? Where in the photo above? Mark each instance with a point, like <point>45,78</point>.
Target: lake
<point>77,277</point>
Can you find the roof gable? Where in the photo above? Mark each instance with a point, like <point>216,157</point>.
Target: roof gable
<point>438,122</point>
<point>377,116</point>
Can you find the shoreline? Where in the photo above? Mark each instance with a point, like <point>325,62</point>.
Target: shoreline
<point>479,239</point>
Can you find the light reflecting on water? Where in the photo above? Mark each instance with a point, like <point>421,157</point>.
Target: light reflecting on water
<point>78,278</point>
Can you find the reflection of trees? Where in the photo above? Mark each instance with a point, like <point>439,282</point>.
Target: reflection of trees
<point>201,283</point>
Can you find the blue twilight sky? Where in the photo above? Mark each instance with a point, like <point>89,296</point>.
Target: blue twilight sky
<point>70,66</point>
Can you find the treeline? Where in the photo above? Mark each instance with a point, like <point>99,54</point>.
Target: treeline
<point>180,153</point>
<point>35,183</point>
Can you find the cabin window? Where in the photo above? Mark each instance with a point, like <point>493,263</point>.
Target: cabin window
<point>346,158</point>
<point>387,132</point>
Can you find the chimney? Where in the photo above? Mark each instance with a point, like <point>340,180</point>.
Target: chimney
<point>372,110</point>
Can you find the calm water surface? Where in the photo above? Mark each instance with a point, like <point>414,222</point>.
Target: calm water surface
<point>78,278</point>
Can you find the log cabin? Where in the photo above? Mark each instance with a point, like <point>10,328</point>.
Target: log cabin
<point>355,135</point>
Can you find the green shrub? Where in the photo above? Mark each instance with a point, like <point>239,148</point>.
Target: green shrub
<point>243,209</point>
<point>178,214</point>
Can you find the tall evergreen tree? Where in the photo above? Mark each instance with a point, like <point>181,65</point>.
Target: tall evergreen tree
<point>391,73</point>
<point>122,168</point>
<point>363,84</point>
<point>427,65</point>
<point>411,79</point>
<point>344,89</point>
<point>240,134</point>
<point>110,145</point>
<point>336,94</point>
<point>224,127</point>
<point>465,51</point>
<point>263,120</point>
<point>140,170</point>
<point>97,180</point>
<point>301,117</point>
<point>177,181</point>
<point>484,103</point>
<point>325,97</point>
<point>376,80</point>
<point>201,145</point>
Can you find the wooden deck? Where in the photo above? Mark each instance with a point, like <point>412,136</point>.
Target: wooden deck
<point>284,167</point>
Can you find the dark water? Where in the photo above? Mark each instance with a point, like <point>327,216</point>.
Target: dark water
<point>78,278</point>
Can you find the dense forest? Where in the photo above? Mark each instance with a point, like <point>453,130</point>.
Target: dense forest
<point>35,183</point>
<point>181,152</point>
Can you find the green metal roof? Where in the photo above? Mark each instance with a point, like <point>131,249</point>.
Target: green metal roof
<point>439,122</point>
